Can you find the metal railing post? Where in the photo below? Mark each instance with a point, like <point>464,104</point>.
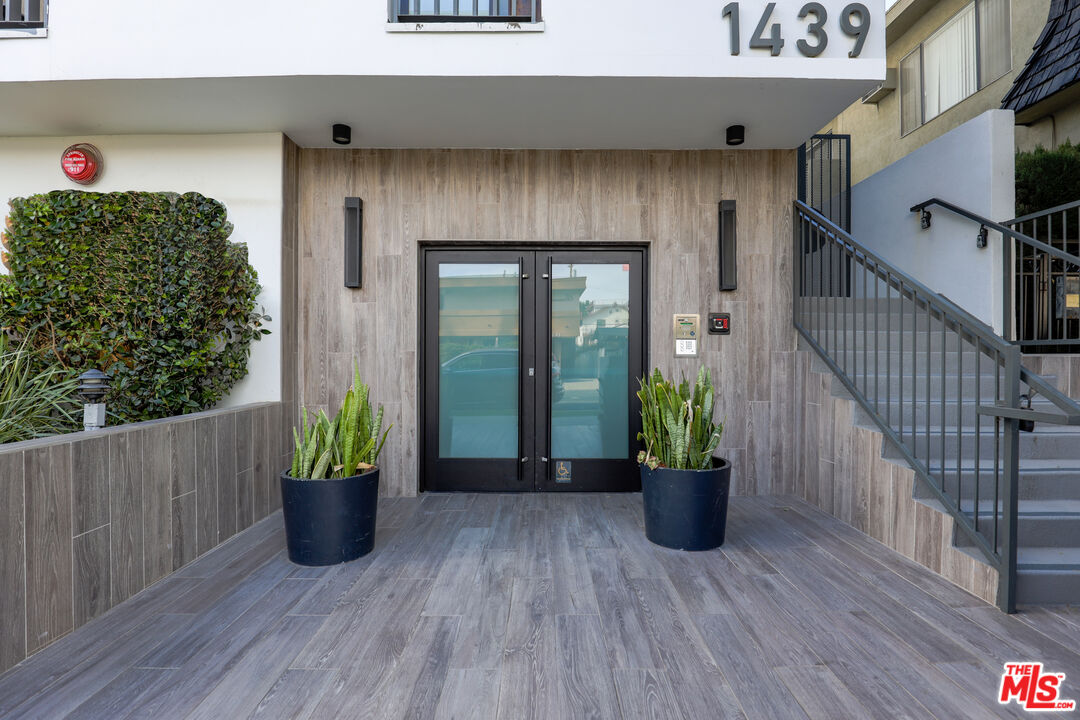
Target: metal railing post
<point>1010,491</point>
<point>797,269</point>
<point>1008,280</point>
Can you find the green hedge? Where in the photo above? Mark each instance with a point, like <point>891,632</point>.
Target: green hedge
<point>1047,178</point>
<point>145,286</point>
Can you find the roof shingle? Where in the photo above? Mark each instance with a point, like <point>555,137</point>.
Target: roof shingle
<point>1055,60</point>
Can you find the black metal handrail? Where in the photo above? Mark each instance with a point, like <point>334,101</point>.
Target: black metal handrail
<point>837,283</point>
<point>889,363</point>
<point>429,11</point>
<point>1037,276</point>
<point>1043,214</point>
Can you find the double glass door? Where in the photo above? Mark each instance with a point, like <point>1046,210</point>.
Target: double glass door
<point>530,368</point>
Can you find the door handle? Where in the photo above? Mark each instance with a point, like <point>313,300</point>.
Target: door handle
<point>524,459</point>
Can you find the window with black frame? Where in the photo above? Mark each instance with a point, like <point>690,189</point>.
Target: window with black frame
<point>967,53</point>
<point>526,11</point>
<point>23,14</point>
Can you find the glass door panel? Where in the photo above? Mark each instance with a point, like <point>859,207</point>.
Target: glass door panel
<point>590,352</point>
<point>530,367</point>
<point>475,396</point>
<point>590,328</point>
<point>479,331</point>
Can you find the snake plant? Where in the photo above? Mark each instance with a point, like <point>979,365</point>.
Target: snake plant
<point>344,446</point>
<point>677,422</point>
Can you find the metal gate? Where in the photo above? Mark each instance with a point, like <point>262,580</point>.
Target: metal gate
<point>825,177</point>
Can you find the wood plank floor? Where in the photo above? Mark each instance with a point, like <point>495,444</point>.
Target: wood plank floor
<point>549,606</point>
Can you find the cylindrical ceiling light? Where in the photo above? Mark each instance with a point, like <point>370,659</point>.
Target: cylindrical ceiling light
<point>736,134</point>
<point>342,134</point>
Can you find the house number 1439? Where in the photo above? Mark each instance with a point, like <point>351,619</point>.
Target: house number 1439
<point>854,22</point>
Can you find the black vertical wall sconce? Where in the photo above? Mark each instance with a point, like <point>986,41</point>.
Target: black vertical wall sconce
<point>354,242</point>
<point>729,277</point>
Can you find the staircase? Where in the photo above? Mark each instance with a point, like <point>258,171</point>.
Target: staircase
<point>945,428</point>
<point>945,392</point>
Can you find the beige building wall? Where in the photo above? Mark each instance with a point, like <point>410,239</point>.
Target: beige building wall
<point>1052,130</point>
<point>875,129</point>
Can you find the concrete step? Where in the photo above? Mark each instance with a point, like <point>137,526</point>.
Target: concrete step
<point>879,362</point>
<point>1042,523</point>
<point>839,337</point>
<point>1047,442</point>
<point>1036,483</point>
<point>914,389</point>
<point>875,321</point>
<point>887,302</point>
<point>1048,575</point>
<point>955,412</point>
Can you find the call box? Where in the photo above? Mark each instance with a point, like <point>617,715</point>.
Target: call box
<point>687,334</point>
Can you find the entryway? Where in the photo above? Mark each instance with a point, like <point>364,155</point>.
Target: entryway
<point>529,368</point>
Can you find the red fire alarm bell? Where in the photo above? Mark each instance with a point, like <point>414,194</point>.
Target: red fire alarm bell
<point>81,163</point>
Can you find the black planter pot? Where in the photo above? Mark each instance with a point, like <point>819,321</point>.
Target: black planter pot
<point>329,521</point>
<point>686,509</point>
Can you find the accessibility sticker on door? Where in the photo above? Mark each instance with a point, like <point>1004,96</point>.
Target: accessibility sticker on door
<point>562,471</point>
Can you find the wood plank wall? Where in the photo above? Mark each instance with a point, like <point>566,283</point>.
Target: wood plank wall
<point>290,283</point>
<point>840,469</point>
<point>663,198</point>
<point>89,519</point>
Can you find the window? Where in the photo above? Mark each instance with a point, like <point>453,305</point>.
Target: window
<point>465,10</point>
<point>965,55</point>
<point>28,15</point>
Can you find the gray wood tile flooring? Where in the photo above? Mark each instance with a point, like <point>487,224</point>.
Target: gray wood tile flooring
<point>549,606</point>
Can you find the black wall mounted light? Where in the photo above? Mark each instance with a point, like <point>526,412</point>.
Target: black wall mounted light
<point>729,277</point>
<point>354,242</point>
<point>736,134</point>
<point>342,134</point>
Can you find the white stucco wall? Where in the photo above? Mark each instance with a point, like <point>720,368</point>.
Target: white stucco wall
<point>614,38</point>
<point>242,171</point>
<point>972,167</point>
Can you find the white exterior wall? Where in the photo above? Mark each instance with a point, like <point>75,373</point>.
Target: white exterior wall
<point>110,39</point>
<point>242,171</point>
<point>600,74</point>
<point>972,167</point>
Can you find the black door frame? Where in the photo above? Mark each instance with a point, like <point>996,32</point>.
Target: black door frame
<point>532,476</point>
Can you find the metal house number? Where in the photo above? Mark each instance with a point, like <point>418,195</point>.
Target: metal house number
<point>854,22</point>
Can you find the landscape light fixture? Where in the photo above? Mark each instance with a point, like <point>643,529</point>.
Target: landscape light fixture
<point>342,134</point>
<point>736,134</point>
<point>93,384</point>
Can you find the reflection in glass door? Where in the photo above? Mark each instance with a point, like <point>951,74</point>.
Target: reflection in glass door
<point>590,352</point>
<point>531,360</point>
<point>478,360</point>
<point>590,324</point>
